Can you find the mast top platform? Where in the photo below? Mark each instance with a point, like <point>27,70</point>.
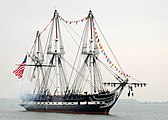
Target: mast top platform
<point>90,14</point>
<point>55,13</point>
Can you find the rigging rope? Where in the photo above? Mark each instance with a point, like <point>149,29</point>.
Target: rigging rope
<point>76,55</point>
<point>70,21</point>
<point>46,26</point>
<point>114,74</point>
<point>135,79</point>
<point>70,34</point>
<point>76,70</point>
<point>109,47</point>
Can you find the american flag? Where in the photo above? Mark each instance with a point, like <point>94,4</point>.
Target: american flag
<point>19,71</point>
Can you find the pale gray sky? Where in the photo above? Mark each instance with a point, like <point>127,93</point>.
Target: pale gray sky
<point>137,30</point>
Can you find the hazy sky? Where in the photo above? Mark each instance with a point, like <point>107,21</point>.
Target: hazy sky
<point>137,30</point>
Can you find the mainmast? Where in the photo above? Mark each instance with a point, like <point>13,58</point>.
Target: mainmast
<point>55,53</point>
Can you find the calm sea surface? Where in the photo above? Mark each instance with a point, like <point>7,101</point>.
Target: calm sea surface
<point>10,110</point>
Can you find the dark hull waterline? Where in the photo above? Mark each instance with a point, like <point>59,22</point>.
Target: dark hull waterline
<point>73,109</point>
<point>77,104</point>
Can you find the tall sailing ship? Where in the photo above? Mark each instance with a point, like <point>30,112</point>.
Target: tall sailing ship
<point>85,90</point>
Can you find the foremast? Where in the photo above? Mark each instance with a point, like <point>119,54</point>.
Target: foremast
<point>89,71</point>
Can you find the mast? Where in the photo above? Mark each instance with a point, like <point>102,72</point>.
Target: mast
<point>89,71</point>
<point>91,52</point>
<point>96,77</point>
<point>55,53</point>
<point>37,58</point>
<point>38,55</point>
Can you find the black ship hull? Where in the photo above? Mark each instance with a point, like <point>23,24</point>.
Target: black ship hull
<point>87,104</point>
<point>75,109</point>
<point>77,104</point>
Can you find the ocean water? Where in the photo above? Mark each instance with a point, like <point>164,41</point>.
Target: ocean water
<point>10,110</point>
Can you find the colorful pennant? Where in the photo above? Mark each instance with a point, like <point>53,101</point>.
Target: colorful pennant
<point>72,22</point>
<point>106,56</point>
